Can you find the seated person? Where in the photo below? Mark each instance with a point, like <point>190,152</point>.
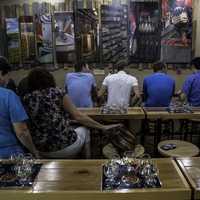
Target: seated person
<point>49,109</point>
<point>191,87</point>
<point>22,88</point>
<point>158,88</point>
<point>13,129</point>
<point>81,87</point>
<point>5,80</point>
<point>119,88</point>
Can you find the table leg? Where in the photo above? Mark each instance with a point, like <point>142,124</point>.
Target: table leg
<point>157,136</point>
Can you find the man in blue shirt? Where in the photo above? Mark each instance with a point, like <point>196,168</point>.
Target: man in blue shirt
<point>191,86</point>
<point>81,87</point>
<point>13,128</point>
<point>158,88</point>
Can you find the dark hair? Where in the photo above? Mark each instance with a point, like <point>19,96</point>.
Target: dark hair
<point>39,79</point>
<point>4,66</point>
<point>78,67</point>
<point>121,66</point>
<point>196,62</point>
<point>158,66</point>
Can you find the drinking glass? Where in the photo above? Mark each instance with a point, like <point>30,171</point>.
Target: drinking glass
<point>111,171</point>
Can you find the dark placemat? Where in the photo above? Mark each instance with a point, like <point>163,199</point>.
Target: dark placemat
<point>8,177</point>
<point>120,185</point>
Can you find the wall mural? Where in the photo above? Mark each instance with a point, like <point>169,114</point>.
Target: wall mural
<point>27,38</point>
<point>64,36</point>
<point>44,38</point>
<point>176,31</point>
<point>13,40</point>
<point>144,31</point>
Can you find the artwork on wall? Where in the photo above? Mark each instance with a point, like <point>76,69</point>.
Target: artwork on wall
<point>114,33</point>
<point>44,38</point>
<point>13,40</point>
<point>144,31</point>
<point>64,37</point>
<point>27,38</point>
<point>86,35</point>
<point>176,31</point>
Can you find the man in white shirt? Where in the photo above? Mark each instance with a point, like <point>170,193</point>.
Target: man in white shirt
<point>120,88</point>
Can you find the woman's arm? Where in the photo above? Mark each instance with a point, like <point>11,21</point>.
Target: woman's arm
<point>23,134</point>
<point>84,119</point>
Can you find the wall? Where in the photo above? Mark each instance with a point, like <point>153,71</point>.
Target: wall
<point>196,28</point>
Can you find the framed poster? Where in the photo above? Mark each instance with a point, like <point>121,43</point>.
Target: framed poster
<point>27,38</point>
<point>176,43</point>
<point>86,35</point>
<point>144,31</point>
<point>13,40</point>
<point>64,37</point>
<point>44,38</point>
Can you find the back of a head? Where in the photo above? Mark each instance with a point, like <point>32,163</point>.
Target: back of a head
<point>158,66</point>
<point>196,62</point>
<point>4,66</point>
<point>39,79</point>
<point>120,66</point>
<point>78,67</point>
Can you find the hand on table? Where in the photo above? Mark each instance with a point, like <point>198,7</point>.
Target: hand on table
<point>112,126</point>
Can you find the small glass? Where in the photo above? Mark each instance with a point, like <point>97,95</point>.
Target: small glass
<point>23,173</point>
<point>111,172</point>
<point>23,166</point>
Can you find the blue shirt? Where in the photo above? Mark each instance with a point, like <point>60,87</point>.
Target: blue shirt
<point>158,90</point>
<point>191,88</point>
<point>79,87</point>
<point>11,111</point>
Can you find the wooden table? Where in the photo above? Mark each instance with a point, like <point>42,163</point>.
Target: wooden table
<point>133,113</point>
<point>81,180</point>
<point>191,169</point>
<point>162,113</point>
<point>183,149</point>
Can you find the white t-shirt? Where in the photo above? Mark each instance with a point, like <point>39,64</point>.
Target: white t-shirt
<point>119,88</point>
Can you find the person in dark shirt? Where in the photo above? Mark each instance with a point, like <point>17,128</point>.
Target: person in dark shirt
<point>22,88</point>
<point>5,80</point>
<point>191,87</point>
<point>158,88</point>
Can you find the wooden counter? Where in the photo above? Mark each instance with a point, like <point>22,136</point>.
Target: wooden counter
<point>133,113</point>
<point>162,113</point>
<point>191,169</point>
<point>81,180</point>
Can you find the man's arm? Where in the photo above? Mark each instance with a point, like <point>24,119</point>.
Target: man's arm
<point>181,96</point>
<point>102,91</point>
<point>23,134</point>
<point>184,93</point>
<point>145,94</point>
<point>136,99</point>
<point>102,95</point>
<point>94,95</point>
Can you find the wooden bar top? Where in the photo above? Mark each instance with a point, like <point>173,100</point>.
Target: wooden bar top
<point>81,180</point>
<point>191,169</point>
<point>133,113</point>
<point>162,113</point>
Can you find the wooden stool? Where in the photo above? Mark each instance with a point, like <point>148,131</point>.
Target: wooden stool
<point>109,151</point>
<point>183,149</point>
